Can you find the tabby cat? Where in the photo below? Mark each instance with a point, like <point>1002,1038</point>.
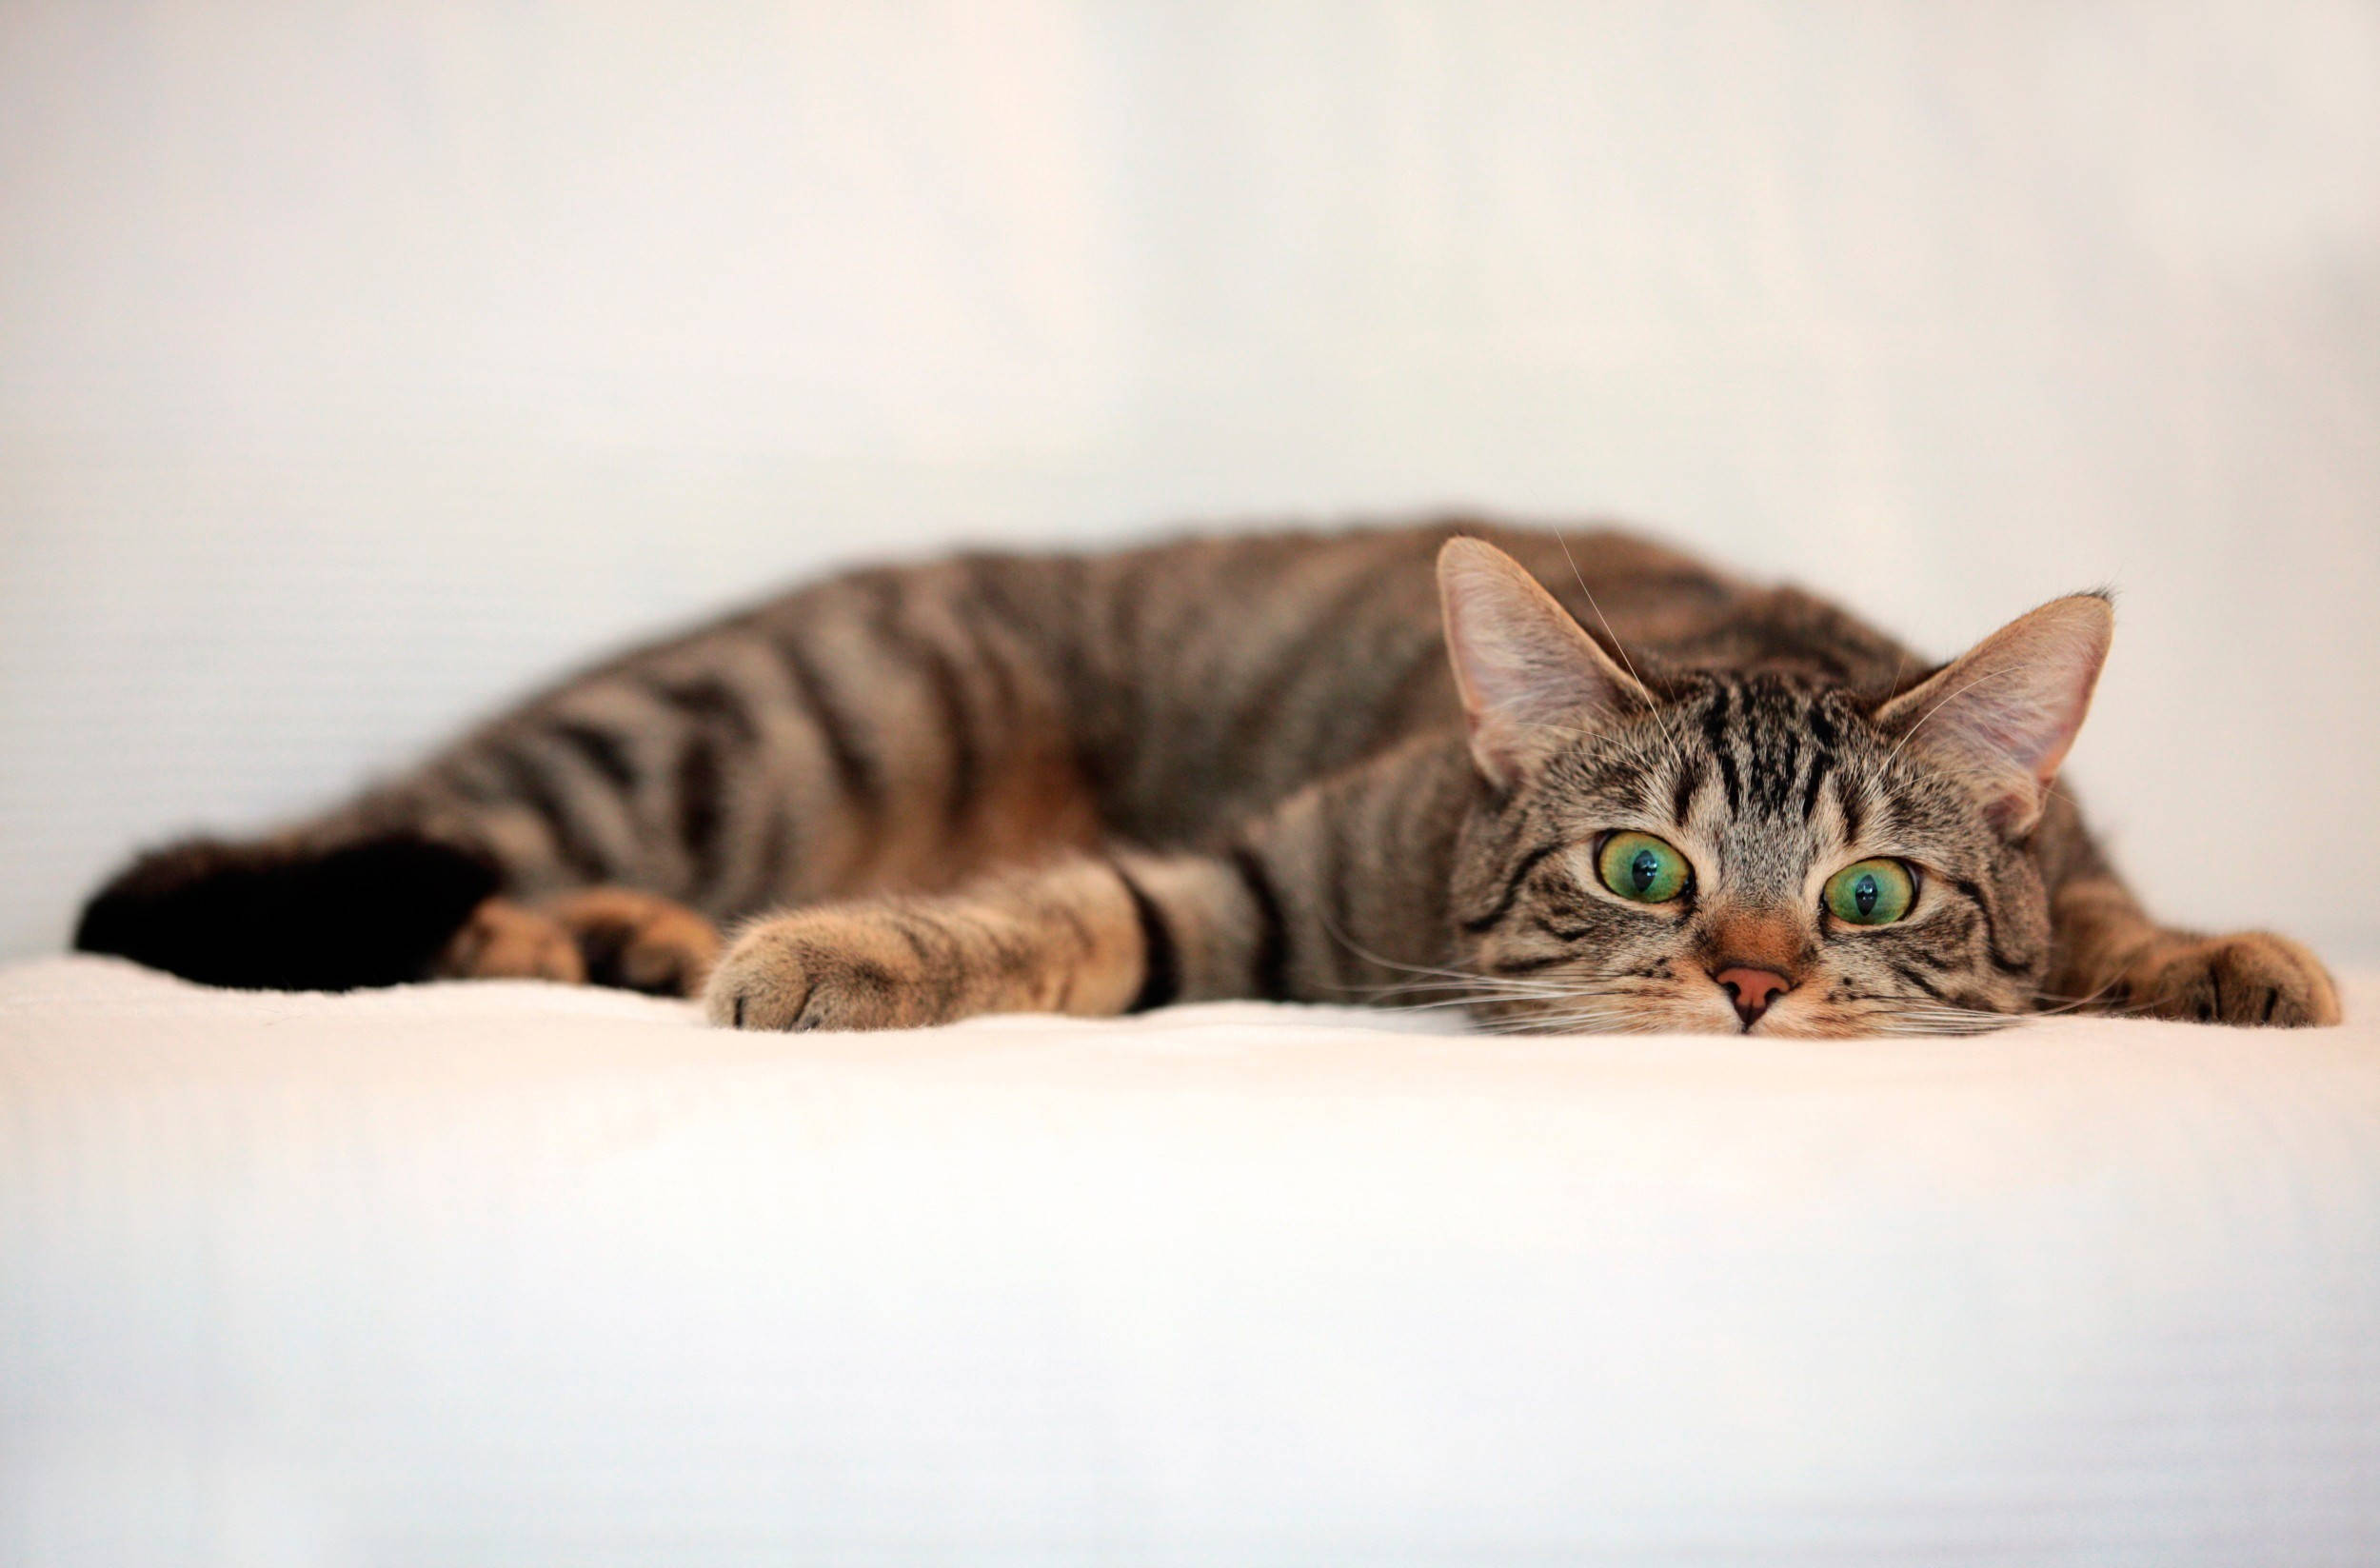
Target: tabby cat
<point>1569,781</point>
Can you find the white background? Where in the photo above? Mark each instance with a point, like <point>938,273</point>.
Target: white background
<point>361,364</point>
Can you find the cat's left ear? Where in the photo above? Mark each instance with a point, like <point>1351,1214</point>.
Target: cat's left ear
<point>1531,679</point>
<point>2004,713</point>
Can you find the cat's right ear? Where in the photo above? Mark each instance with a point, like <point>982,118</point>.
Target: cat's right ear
<point>1531,679</point>
<point>2003,713</point>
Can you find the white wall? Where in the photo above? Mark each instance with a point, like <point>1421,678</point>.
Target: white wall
<point>360,363</point>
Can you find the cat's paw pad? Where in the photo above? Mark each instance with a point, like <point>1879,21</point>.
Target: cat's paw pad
<point>824,970</point>
<point>507,941</point>
<point>638,941</point>
<point>2250,978</point>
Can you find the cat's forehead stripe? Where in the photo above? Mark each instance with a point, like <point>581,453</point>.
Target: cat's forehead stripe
<point>1774,743</point>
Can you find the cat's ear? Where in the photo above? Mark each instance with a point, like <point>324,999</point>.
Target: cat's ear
<point>2004,713</point>
<point>1530,679</point>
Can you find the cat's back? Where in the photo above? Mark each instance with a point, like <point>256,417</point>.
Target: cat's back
<point>1163,691</point>
<point>1209,675</point>
<point>1256,625</point>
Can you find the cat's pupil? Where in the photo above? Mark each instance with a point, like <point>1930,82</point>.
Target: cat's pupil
<point>1645,869</point>
<point>1863,893</point>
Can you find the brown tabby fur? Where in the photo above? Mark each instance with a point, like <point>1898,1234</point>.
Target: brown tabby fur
<point>1242,767</point>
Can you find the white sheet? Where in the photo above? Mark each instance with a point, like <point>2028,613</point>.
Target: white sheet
<point>518,1275</point>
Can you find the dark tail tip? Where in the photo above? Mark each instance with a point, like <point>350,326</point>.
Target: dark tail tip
<point>275,917</point>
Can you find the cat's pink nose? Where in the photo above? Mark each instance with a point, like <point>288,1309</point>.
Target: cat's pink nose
<point>1752,990</point>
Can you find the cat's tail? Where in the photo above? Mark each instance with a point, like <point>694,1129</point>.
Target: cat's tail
<point>290,915</point>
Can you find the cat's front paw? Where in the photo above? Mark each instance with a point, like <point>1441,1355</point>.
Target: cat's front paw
<point>2250,978</point>
<point>826,970</point>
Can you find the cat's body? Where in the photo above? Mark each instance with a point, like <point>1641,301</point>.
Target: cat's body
<point>1240,767</point>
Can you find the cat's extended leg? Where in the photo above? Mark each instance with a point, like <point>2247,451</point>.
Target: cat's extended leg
<point>2109,954</point>
<point>1063,939</point>
<point>1327,898</point>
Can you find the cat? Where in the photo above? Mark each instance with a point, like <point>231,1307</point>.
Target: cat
<point>1573,782</point>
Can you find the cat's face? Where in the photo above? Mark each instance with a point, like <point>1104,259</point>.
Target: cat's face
<point>1726,854</point>
<point>1750,842</point>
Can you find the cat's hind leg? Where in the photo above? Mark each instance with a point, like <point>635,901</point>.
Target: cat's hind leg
<point>636,941</point>
<point>504,940</point>
<point>605,936</point>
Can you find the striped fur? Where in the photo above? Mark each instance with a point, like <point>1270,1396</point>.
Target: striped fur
<point>1223,768</point>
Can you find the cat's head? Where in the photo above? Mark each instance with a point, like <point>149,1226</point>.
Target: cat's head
<point>1716,853</point>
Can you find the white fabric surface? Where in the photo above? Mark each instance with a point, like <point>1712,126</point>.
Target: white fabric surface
<point>522,1275</point>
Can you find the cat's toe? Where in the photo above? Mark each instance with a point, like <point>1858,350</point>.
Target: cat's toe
<point>2253,977</point>
<point>821,971</point>
<point>638,941</point>
<point>761,983</point>
<point>507,940</point>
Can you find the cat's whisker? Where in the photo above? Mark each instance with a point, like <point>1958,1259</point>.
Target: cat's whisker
<point>1987,675</point>
<point>1481,987</point>
<point>1442,978</point>
<point>2094,1001</point>
<point>1442,1003</point>
<point>1443,975</point>
<point>1957,1020</point>
<point>1601,1010</point>
<point>1877,1013</point>
<point>1978,1025</point>
<point>1571,730</point>
<point>1490,991</point>
<point>1602,1022</point>
<point>1449,993</point>
<point>1660,714</point>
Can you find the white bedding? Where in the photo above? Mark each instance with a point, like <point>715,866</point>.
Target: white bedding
<point>516,1275</point>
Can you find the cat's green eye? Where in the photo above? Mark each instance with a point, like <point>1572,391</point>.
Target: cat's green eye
<point>1870,893</point>
<point>1640,866</point>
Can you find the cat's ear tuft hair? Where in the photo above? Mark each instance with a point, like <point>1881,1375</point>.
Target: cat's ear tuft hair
<point>2004,713</point>
<point>1531,678</point>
